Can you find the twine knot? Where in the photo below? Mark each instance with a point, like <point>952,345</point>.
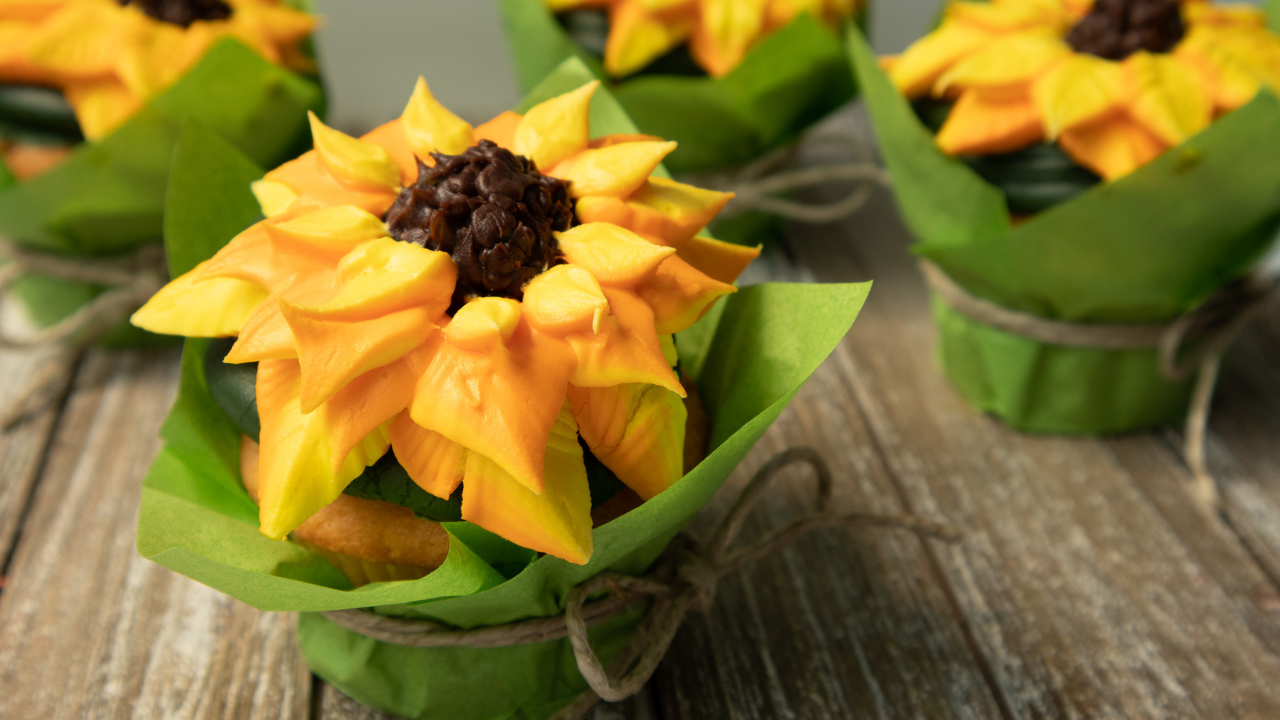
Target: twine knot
<point>684,578</point>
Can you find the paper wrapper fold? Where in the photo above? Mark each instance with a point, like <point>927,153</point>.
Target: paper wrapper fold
<point>749,356</point>
<point>789,81</point>
<point>1146,248</point>
<point>108,197</point>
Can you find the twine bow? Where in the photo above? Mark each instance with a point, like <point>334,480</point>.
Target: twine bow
<point>130,282</point>
<point>1209,330</point>
<point>683,579</point>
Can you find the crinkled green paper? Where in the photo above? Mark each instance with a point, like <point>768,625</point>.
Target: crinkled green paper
<point>750,356</point>
<point>1145,248</point>
<point>108,196</point>
<point>788,82</point>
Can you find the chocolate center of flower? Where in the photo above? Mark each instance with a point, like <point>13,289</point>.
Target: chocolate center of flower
<point>1116,29</point>
<point>182,12</point>
<point>492,211</point>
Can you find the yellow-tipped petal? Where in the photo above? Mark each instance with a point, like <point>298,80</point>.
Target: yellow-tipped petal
<point>557,521</point>
<point>434,462</point>
<point>273,197</point>
<point>668,211</point>
<point>556,129</point>
<point>726,31</point>
<point>101,106</point>
<point>565,299</point>
<point>680,294</point>
<point>382,276</point>
<point>1077,90</point>
<point>638,36</point>
<point>430,126</point>
<point>981,126</point>
<point>265,335</point>
<point>371,401</point>
<point>624,349</point>
<point>615,171</point>
<point>333,230</point>
<point>917,69</point>
<point>354,162</point>
<point>1229,82</point>
<point>295,473</point>
<point>720,260</point>
<point>194,307</point>
<point>483,324</point>
<point>1166,97</point>
<point>1009,61</point>
<point>615,256</point>
<point>637,431</point>
<point>333,353</point>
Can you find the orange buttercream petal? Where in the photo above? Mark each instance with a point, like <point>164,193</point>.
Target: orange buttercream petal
<point>501,130</point>
<point>368,402</point>
<point>266,334</point>
<point>982,126</point>
<point>666,210</point>
<point>433,461</point>
<point>334,352</point>
<point>637,431</point>
<point>719,260</point>
<point>615,170</point>
<point>625,349</point>
<point>1112,148</point>
<point>616,256</point>
<point>315,186</point>
<point>556,520</point>
<point>295,472</point>
<point>680,294</point>
<point>499,403</point>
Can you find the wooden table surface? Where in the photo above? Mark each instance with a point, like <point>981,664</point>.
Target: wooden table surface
<point>1089,584</point>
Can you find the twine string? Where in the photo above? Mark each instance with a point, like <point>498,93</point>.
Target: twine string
<point>683,579</point>
<point>130,282</point>
<point>1208,331</point>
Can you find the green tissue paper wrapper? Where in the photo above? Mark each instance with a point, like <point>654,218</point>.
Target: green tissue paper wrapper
<point>749,356</point>
<point>108,197</point>
<point>1143,249</point>
<point>788,82</point>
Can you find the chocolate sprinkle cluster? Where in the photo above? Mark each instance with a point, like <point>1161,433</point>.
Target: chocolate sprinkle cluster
<point>1115,29</point>
<point>182,12</point>
<point>492,211</point>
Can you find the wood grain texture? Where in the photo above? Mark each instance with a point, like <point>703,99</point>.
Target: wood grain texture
<point>1083,598</point>
<point>331,704</point>
<point>88,628</point>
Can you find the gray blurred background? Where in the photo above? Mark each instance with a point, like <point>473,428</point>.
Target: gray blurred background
<point>373,50</point>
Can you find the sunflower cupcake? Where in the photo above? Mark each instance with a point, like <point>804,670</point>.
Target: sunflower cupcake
<point>729,80</point>
<point>493,307</point>
<point>1045,98</point>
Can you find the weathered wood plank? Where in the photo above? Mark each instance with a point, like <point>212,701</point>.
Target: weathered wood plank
<point>1082,596</point>
<point>333,705</point>
<point>22,449</point>
<point>88,628</point>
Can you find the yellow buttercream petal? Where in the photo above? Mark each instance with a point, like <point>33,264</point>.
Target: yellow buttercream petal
<point>382,276</point>
<point>916,70</point>
<point>556,129</point>
<point>556,521</point>
<point>354,162</point>
<point>1077,90</point>
<point>616,170</point>
<point>638,36</point>
<point>1167,97</point>
<point>195,307</point>
<point>333,230</point>
<point>484,324</point>
<point>1009,61</point>
<point>615,256</point>
<point>430,126</point>
<point>667,211</point>
<point>720,260</point>
<point>725,32</point>
<point>565,299</point>
<point>273,197</point>
<point>680,294</point>
<point>635,430</point>
<point>295,471</point>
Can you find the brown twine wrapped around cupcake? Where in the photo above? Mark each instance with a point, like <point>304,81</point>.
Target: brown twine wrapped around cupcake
<point>683,579</point>
<point>1209,329</point>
